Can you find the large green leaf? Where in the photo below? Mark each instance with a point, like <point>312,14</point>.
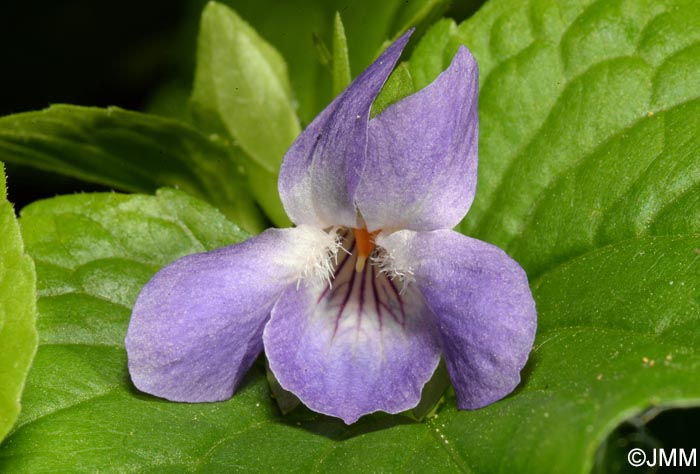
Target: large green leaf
<point>130,151</point>
<point>18,337</point>
<point>589,114</point>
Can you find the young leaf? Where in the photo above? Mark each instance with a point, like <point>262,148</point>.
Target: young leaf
<point>340,60</point>
<point>130,151</point>
<point>18,338</point>
<point>241,92</point>
<point>241,84</point>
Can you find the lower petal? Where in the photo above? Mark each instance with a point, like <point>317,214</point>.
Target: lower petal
<point>482,304</point>
<point>196,327</point>
<point>354,348</point>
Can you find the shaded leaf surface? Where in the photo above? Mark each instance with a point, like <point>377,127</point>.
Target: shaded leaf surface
<point>130,151</point>
<point>18,338</point>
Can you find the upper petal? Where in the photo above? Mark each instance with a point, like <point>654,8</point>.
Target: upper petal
<point>321,170</point>
<point>420,172</point>
<point>354,348</point>
<point>196,327</point>
<point>482,304</point>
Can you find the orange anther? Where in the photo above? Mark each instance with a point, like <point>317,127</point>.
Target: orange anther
<point>365,244</point>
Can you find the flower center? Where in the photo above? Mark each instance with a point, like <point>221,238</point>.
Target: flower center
<point>364,241</point>
<point>361,296</point>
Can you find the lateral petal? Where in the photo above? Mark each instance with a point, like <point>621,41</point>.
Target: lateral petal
<point>483,308</point>
<point>196,327</point>
<point>420,172</point>
<point>321,170</point>
<point>354,348</point>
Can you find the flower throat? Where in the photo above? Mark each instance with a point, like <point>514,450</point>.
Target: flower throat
<point>365,245</point>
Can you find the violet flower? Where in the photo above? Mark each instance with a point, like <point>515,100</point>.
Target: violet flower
<point>355,304</point>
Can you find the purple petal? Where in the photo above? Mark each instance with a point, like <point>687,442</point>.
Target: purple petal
<point>420,172</point>
<point>322,168</point>
<point>482,304</point>
<point>355,348</point>
<point>196,327</point>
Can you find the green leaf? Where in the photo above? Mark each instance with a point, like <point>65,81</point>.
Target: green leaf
<point>398,86</point>
<point>341,61</point>
<point>241,91</point>
<point>415,13</point>
<point>429,57</point>
<point>18,338</point>
<point>130,151</point>
<point>578,103</point>
<point>641,181</point>
<point>263,185</point>
<point>241,82</point>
